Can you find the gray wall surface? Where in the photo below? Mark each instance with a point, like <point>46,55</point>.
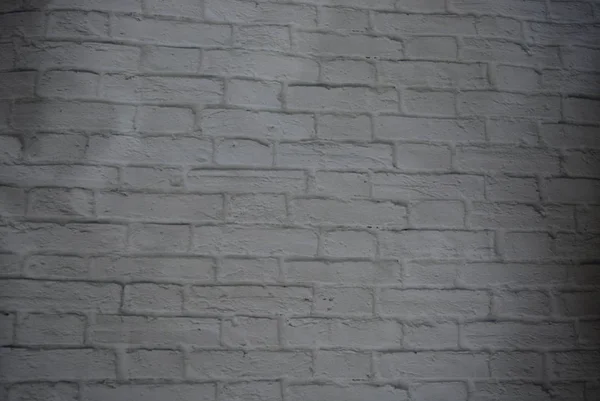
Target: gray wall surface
<point>299,200</point>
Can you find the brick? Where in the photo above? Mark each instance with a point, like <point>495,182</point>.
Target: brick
<point>149,178</point>
<point>429,272</point>
<point>586,218</point>
<point>12,201</point>
<point>334,155</point>
<point>348,45</point>
<point>438,214</point>
<point>77,24</point>
<point>15,85</point>
<point>61,202</point>
<point>435,74</point>
<point>428,129</point>
<point>243,152</point>
<point>262,12</point>
<point>153,297</point>
<point>430,336</point>
<point>355,392</point>
<point>578,303</point>
<point>7,321</point>
<point>252,391</point>
<point>262,125</point>
<point>59,364</point>
<point>255,240</point>
<point>432,47</point>
<point>548,33</point>
<point>416,187</point>
<point>170,32</point>
<point>120,86</point>
<point>154,332</point>
<point>105,5</point>
<point>244,269</point>
<point>257,208</point>
<point>572,82</point>
<point>507,104</point>
<point>484,49</point>
<point>346,300</point>
<point>11,149</point>
<point>67,237</point>
<point>518,335</point>
<point>457,303</point>
<point>510,391</point>
<point>185,8</point>
<point>259,65</point>
<point>348,71</point>
<point>238,364</point>
<point>575,364</point>
<point>245,92</point>
<point>589,332</point>
<point>501,215</point>
<point>78,55</point>
<point>518,78</point>
<point>7,57</point>
<point>448,391</point>
<point>263,37</point>
<point>516,364</point>
<point>56,148</point>
<point>51,329</point>
<point>342,183</point>
<point>363,212</point>
<point>584,274</point>
<point>511,274</point>
<point>531,9</point>
<point>24,24</point>
<point>581,109</point>
<point>573,190</point>
<point>164,120</point>
<point>444,244</point>
<point>44,392</point>
<point>153,364</point>
<point>363,99</point>
<point>498,26</point>
<point>181,90</point>
<point>59,175</point>
<point>349,244</point>
<point>60,296</point>
<point>170,59</point>
<point>515,131</point>
<point>253,299</point>
<point>342,272</point>
<point>425,364</point>
<point>581,58</point>
<point>504,188</point>
<point>271,181</point>
<point>159,237</point>
<point>334,127</point>
<point>343,364</point>
<point>250,332</point>
<point>523,303</point>
<point>415,24</point>
<point>528,246</point>
<point>372,333</point>
<point>152,268</point>
<point>55,266</point>
<point>428,103</point>
<point>125,392</point>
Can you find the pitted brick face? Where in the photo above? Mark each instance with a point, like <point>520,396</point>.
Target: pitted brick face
<point>299,200</point>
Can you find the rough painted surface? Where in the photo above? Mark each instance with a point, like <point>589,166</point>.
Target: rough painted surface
<point>304,200</point>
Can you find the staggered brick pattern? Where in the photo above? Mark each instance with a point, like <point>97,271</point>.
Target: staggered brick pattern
<point>303,200</point>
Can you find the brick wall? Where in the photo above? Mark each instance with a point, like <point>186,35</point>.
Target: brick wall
<point>303,200</point>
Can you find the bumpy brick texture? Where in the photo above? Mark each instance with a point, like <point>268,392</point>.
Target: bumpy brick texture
<point>300,200</point>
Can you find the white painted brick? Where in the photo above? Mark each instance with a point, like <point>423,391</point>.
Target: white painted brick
<point>149,178</point>
<point>532,9</point>
<point>125,392</point>
<point>342,184</point>
<point>343,364</point>
<point>185,8</point>
<point>523,303</point>
<point>501,215</point>
<point>528,246</point>
<point>263,37</point>
<point>77,24</point>
<point>260,125</point>
<point>255,240</point>
<point>501,274</point>
<point>347,98</point>
<point>334,155</point>
<point>429,103</point>
<point>61,202</point>
<point>432,47</point>
<point>154,332</point>
<point>151,268</point>
<point>151,364</point>
<point>344,19</point>
<point>51,329</point>
<point>274,181</point>
<point>343,272</point>
<point>430,336</point>
<point>14,85</point>
<point>578,303</point>
<point>586,217</point>
<point>49,266</point>
<point>356,392</point>
<point>106,5</point>
<point>583,58</point>
<point>409,187</point>
<point>509,391</point>
<point>441,244</point>
<point>589,332</point>
<point>570,82</point>
<point>418,157</point>
<point>170,32</point>
<point>24,23</point>
<point>447,391</point>
<point>344,300</point>
<point>238,364</point>
<point>7,320</point>
<point>428,129</point>
<point>516,131</point>
<point>58,364</point>
<point>551,33</point>
<point>243,152</point>
<point>498,26</point>
<point>244,269</point>
<point>582,109</point>
<point>434,303</point>
<point>261,12</point>
<point>507,104</point>
<point>349,244</point>
<point>435,74</point>
<point>170,59</point>
<point>12,201</point>
<point>505,188</point>
<point>348,45</point>
<point>249,299</point>
<point>429,272</point>
<point>438,214</point>
<point>181,90</point>
<point>244,92</point>
<point>432,364</point>
<point>165,120</point>
<point>418,24</point>
<point>516,364</point>
<point>518,335</point>
<point>250,332</point>
<point>120,86</point>
<point>348,71</point>
<point>484,49</point>
<point>55,148</point>
<point>332,127</point>
<point>509,77</point>
<point>252,391</point>
<point>575,364</point>
<point>11,149</point>
<point>43,392</point>
<point>257,208</point>
<point>152,297</point>
<point>159,237</point>
<point>572,190</point>
<point>63,175</point>
<point>7,57</point>
<point>68,84</point>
